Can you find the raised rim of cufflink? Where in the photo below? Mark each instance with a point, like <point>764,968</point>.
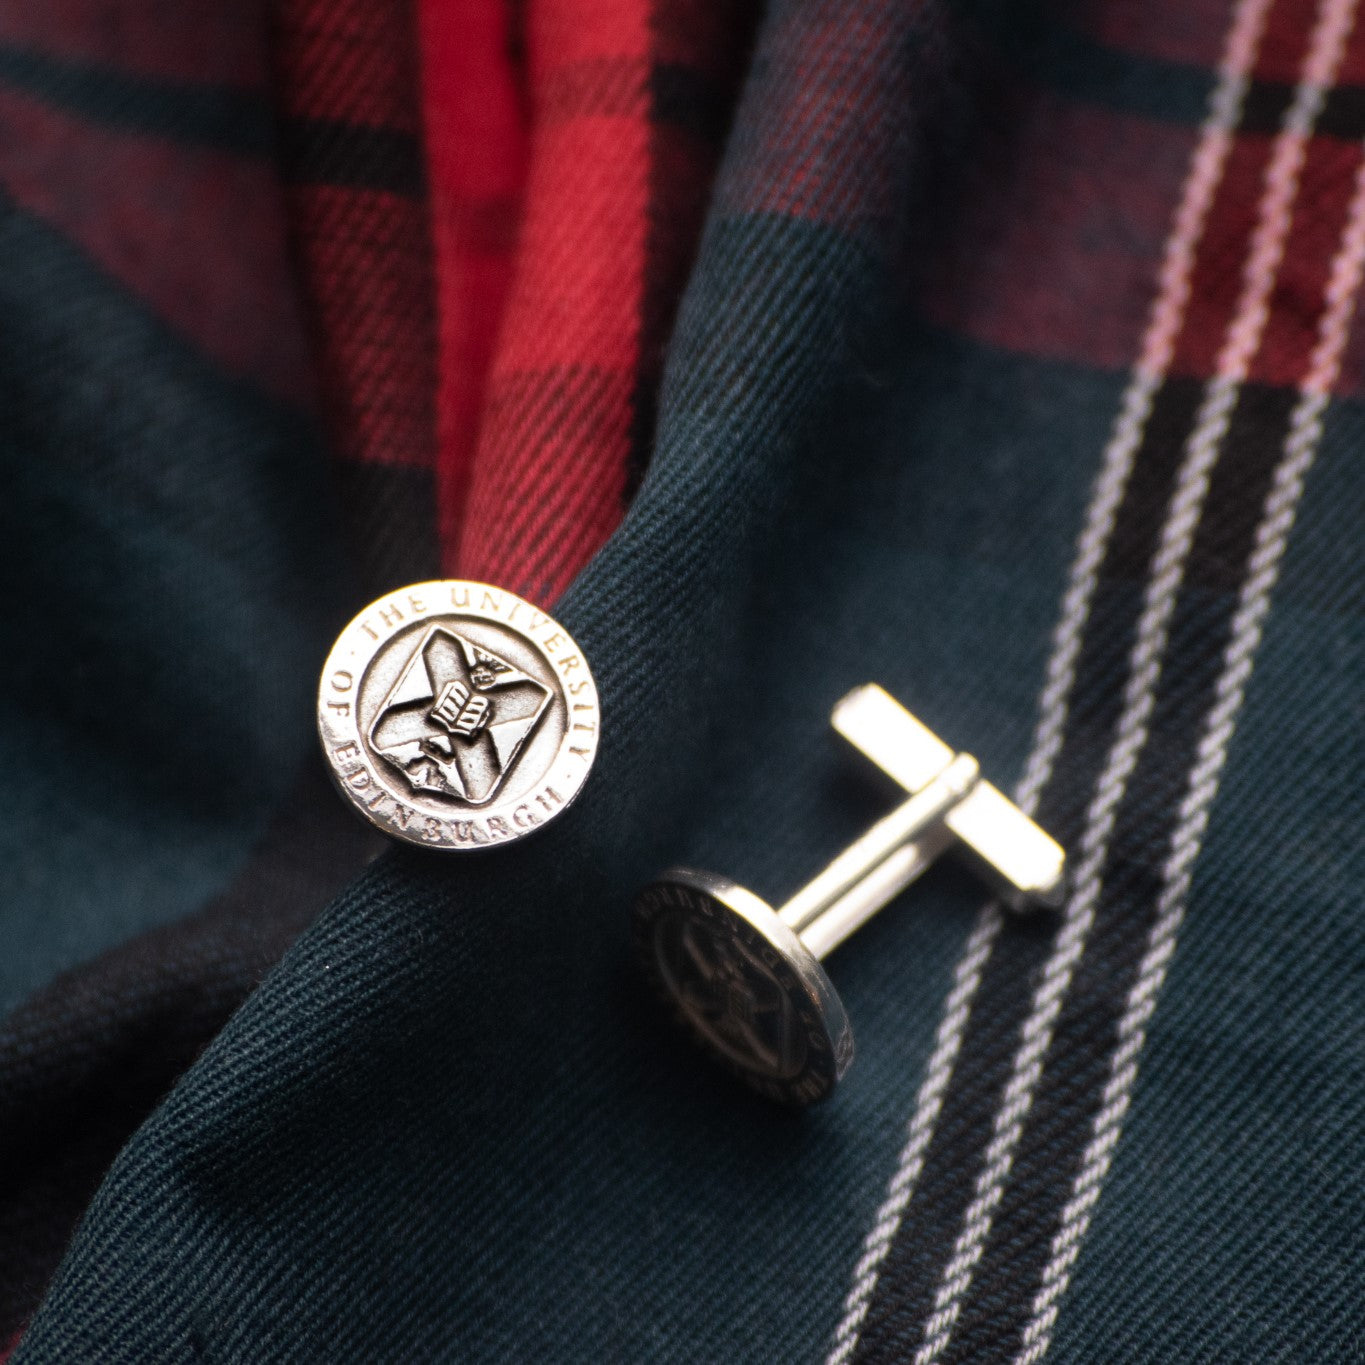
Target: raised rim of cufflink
<point>457,716</point>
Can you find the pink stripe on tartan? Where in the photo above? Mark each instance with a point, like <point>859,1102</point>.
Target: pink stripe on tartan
<point>1172,292</point>
<point>1145,665</point>
<point>1282,182</point>
<point>1158,346</point>
<point>1305,431</point>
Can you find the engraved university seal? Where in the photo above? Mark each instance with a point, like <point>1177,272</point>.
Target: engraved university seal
<point>742,984</point>
<point>456,715</point>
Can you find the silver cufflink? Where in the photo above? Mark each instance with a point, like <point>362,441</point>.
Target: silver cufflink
<point>745,979</point>
<point>457,716</point>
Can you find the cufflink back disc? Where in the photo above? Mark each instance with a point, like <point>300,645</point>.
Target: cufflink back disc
<point>745,979</point>
<point>455,715</point>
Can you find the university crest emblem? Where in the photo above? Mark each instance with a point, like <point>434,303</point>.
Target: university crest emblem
<point>457,717</point>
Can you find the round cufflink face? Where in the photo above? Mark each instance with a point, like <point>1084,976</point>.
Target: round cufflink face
<point>740,981</point>
<point>457,716</point>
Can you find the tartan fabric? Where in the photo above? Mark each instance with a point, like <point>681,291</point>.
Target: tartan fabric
<point>156,390</point>
<point>973,1265</point>
<point>475,126</point>
<point>628,105</point>
<point>446,1125</point>
<point>350,116</point>
<point>489,320</point>
<point>88,1055</point>
<point>381,150</point>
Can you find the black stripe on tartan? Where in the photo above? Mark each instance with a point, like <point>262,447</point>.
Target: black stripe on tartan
<point>904,1297</point>
<point>998,1306</point>
<point>910,1274</point>
<point>1342,117</point>
<point>219,117</point>
<point>691,100</point>
<point>1102,665</point>
<point>1073,64</point>
<point>1343,114</point>
<point>1267,103</point>
<point>1264,107</point>
<point>332,152</point>
<point>700,105</point>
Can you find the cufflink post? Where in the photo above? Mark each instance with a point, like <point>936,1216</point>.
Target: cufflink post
<point>745,979</point>
<point>920,812</point>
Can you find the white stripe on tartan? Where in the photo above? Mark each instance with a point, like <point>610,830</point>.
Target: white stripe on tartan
<point>1274,215</point>
<point>1272,535</point>
<point>928,1103</point>
<point>1158,345</point>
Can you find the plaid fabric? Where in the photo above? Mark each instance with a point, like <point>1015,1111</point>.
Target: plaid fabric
<point>383,150</point>
<point>348,96</point>
<point>1018,370</point>
<point>155,386</point>
<point>1246,340</point>
<point>629,103</point>
<point>516,345</point>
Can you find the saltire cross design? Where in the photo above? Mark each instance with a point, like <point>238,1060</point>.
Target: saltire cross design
<point>1022,1104</point>
<point>456,719</point>
<point>734,998</point>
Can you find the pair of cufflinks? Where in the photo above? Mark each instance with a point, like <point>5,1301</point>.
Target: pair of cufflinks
<point>457,716</point>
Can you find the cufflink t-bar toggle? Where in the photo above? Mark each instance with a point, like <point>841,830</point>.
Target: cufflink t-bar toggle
<point>745,979</point>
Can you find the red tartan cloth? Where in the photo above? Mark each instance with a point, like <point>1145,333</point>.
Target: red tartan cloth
<point>495,207</point>
<point>489,210</point>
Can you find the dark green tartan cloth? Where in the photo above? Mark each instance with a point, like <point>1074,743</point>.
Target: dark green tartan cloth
<point>921,339</point>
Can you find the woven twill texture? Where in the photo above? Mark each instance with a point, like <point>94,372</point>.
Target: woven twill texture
<point>793,357</point>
